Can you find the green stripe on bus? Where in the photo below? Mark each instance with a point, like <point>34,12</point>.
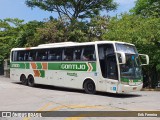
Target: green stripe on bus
<point>54,66</point>
<point>39,65</point>
<point>128,80</point>
<point>27,65</point>
<point>20,65</point>
<point>42,72</point>
<point>68,66</point>
<point>94,66</point>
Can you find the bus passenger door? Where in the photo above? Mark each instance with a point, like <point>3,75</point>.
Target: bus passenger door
<point>111,73</point>
<point>108,66</point>
<point>111,67</point>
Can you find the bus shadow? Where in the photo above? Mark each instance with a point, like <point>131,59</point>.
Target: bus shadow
<point>115,95</point>
<point>55,88</point>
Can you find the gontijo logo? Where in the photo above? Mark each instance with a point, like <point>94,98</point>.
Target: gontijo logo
<point>73,66</point>
<point>77,66</point>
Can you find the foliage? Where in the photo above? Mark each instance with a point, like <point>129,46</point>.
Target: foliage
<point>9,30</point>
<point>147,8</point>
<point>27,33</point>
<point>13,33</point>
<point>74,9</point>
<point>58,31</point>
<point>50,31</point>
<point>77,32</point>
<point>97,27</point>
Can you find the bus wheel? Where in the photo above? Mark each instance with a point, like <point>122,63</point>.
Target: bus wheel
<point>23,80</point>
<point>31,81</point>
<point>89,87</point>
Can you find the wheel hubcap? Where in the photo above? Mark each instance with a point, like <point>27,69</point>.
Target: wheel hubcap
<point>90,87</point>
<point>31,80</point>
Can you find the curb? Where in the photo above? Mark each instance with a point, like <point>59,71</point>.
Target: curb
<point>147,89</point>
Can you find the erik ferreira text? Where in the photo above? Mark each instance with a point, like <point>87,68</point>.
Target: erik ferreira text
<point>147,114</point>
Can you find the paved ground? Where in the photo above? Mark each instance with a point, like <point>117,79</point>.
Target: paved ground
<point>17,97</point>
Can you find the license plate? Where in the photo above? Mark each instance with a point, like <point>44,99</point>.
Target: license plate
<point>131,82</point>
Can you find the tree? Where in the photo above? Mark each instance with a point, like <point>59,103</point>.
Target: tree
<point>58,31</point>
<point>97,27</point>
<point>27,33</point>
<point>13,33</point>
<point>74,9</point>
<point>9,30</point>
<point>50,32</point>
<point>147,8</point>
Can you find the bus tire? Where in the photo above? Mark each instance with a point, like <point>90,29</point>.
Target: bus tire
<point>89,87</point>
<point>23,79</point>
<point>31,81</point>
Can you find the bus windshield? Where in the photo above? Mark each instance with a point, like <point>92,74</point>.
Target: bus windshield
<point>132,68</point>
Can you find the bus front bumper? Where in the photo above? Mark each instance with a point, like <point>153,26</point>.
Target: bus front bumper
<point>128,88</point>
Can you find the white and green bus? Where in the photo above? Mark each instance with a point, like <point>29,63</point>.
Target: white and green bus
<point>107,66</point>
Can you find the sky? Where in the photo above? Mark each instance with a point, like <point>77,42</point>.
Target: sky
<point>18,9</point>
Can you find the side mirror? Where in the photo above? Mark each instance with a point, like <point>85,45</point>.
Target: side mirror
<point>121,57</point>
<point>144,59</point>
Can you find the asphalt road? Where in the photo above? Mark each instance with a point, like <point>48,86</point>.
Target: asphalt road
<point>17,97</point>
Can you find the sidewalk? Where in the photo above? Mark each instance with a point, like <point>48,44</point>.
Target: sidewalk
<point>4,78</point>
<point>150,89</point>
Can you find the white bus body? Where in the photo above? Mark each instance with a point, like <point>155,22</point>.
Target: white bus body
<point>107,66</point>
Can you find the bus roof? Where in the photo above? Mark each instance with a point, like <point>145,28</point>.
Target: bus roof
<point>65,44</point>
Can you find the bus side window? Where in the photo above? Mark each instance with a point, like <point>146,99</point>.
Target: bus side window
<point>88,53</point>
<point>32,56</point>
<point>14,55</point>
<point>20,56</point>
<point>26,55</point>
<point>55,54</point>
<point>68,54</point>
<point>77,53</point>
<point>41,55</point>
